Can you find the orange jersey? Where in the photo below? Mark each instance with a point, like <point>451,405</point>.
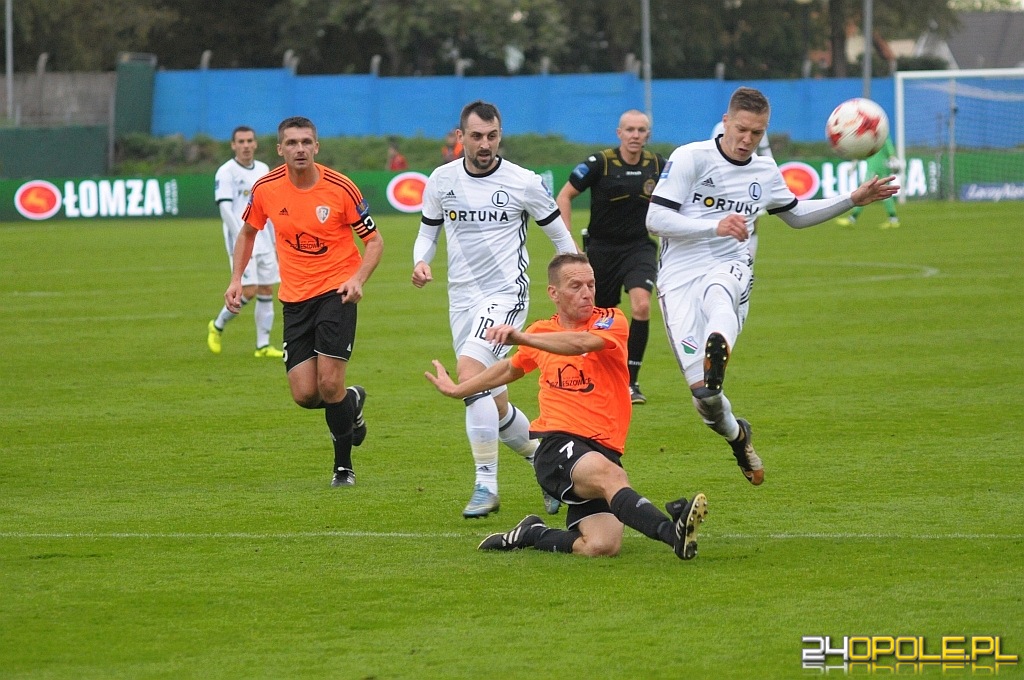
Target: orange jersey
<point>313,229</point>
<point>584,395</point>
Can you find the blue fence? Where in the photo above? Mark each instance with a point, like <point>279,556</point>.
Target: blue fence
<point>581,108</point>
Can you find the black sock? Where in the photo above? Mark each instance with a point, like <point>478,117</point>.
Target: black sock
<point>637,512</point>
<point>556,540</point>
<point>639,331</point>
<point>339,421</point>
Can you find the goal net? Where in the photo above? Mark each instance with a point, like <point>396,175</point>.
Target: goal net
<point>969,125</point>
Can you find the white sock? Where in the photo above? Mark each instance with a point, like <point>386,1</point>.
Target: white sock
<point>482,430</point>
<point>720,311</point>
<point>716,411</point>
<point>225,315</point>
<point>264,319</point>
<point>514,432</point>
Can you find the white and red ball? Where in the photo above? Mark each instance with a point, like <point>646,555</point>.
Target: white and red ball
<point>857,128</point>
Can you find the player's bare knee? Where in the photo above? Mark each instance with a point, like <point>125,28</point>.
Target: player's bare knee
<point>599,545</point>
<point>307,400</point>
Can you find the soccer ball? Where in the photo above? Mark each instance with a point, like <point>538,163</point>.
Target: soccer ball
<point>857,128</point>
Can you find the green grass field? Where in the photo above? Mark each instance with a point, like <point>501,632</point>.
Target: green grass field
<point>166,513</point>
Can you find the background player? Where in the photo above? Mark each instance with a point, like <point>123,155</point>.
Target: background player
<point>584,419</point>
<point>616,240</point>
<point>703,209</point>
<point>884,162</point>
<point>231,188</point>
<point>483,202</point>
<point>316,211</point>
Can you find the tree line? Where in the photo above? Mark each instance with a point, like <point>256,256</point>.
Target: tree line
<point>738,39</point>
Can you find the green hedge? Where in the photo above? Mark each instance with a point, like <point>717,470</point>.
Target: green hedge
<point>144,155</point>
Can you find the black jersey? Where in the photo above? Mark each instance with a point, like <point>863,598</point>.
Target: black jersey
<point>619,193</point>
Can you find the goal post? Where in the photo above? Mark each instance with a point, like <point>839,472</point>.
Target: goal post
<point>970,124</point>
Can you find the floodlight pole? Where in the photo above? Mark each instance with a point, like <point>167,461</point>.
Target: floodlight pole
<point>869,33</point>
<point>9,56</point>
<point>645,39</point>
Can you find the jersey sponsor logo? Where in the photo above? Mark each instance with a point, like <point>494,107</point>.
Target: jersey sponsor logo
<point>499,199</point>
<point>450,194</point>
<point>284,211</point>
<point>708,183</point>
<point>405,191</point>
<point>724,204</point>
<point>322,213</point>
<point>477,216</point>
<point>37,200</point>
<point>572,379</point>
<point>307,244</point>
<point>754,190</point>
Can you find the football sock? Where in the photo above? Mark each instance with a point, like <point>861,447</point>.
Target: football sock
<point>226,315</point>
<point>716,411</point>
<point>554,540</point>
<point>639,331</point>
<point>637,512</point>
<point>514,432</point>
<point>720,310</point>
<point>482,431</point>
<point>264,319</point>
<point>339,417</point>
<point>890,206</point>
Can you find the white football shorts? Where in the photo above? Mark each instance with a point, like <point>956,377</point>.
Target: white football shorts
<point>469,326</point>
<point>685,322</point>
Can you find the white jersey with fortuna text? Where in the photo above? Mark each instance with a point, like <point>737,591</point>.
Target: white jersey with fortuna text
<point>700,183</point>
<point>233,182</point>
<point>485,219</point>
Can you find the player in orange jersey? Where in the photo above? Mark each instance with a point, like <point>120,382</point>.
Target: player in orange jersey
<point>584,418</point>
<point>315,212</point>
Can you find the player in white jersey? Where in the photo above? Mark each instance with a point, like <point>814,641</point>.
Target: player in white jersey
<point>763,149</point>
<point>483,202</point>
<point>232,185</point>
<point>704,208</point>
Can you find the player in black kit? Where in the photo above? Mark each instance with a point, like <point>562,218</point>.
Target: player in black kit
<point>621,252</point>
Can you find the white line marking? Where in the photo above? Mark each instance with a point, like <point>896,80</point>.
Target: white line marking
<point>475,534</point>
<point>914,271</point>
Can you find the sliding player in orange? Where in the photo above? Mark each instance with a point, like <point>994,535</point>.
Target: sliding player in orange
<point>584,418</point>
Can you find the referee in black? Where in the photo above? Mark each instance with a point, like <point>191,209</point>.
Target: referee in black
<point>623,255</point>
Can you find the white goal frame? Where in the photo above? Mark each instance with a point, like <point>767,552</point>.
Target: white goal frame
<point>900,78</point>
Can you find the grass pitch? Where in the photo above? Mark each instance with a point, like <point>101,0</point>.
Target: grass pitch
<point>165,512</point>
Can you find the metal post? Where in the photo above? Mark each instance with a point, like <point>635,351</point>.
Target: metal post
<point>645,38</point>
<point>869,33</point>
<point>9,24</point>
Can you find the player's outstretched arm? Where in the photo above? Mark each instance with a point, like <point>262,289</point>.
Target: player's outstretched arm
<point>498,374</point>
<point>875,189</point>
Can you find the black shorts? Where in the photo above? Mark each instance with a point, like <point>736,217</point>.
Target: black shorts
<point>320,325</point>
<point>553,462</point>
<point>619,266</point>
